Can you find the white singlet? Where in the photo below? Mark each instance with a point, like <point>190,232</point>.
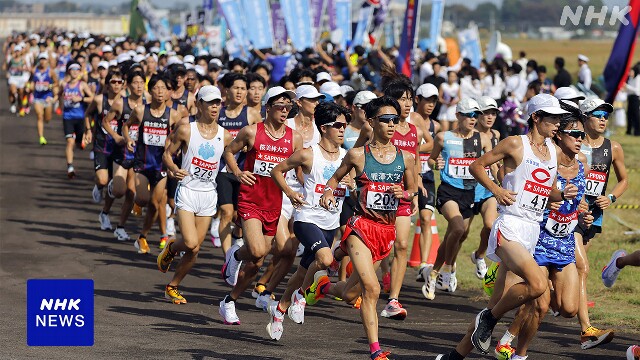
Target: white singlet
<point>202,160</point>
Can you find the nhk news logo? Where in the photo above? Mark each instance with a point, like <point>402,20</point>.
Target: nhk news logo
<point>60,312</point>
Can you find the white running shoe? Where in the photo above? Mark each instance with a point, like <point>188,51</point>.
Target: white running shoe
<point>92,155</point>
<point>262,301</point>
<point>13,109</point>
<point>610,272</point>
<point>120,234</point>
<point>443,281</point>
<point>171,227</point>
<point>423,272</point>
<point>453,282</point>
<point>228,312</point>
<point>274,327</point>
<point>215,226</point>
<point>216,242</point>
<point>105,222</point>
<point>231,267</point>
<point>71,171</point>
<point>481,265</point>
<point>296,310</point>
<point>429,287</point>
<point>97,195</point>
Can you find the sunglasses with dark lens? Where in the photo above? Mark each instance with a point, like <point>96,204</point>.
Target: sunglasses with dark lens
<point>280,107</point>
<point>387,118</point>
<point>578,134</point>
<point>336,125</point>
<point>600,114</point>
<point>116,81</point>
<point>472,114</point>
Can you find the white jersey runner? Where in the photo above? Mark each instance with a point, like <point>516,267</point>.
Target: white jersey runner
<point>202,160</point>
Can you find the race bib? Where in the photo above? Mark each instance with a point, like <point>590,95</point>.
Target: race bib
<point>380,197</point>
<point>459,168</point>
<point>489,173</point>
<point>595,183</point>
<point>265,162</point>
<point>534,197</point>
<point>133,132</point>
<point>560,225</point>
<point>153,136</point>
<point>42,86</point>
<point>339,194</point>
<point>234,132</point>
<point>424,163</point>
<point>203,170</point>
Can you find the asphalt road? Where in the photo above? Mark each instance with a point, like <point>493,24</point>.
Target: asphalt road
<point>50,229</point>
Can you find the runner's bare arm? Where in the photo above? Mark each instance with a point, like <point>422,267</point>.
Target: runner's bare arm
<point>180,139</point>
<point>228,138</point>
<point>619,169</point>
<point>91,110</point>
<point>246,137</point>
<point>410,194</point>
<point>114,113</point>
<point>61,97</point>
<point>191,103</point>
<point>438,143</point>
<point>353,157</point>
<point>253,116</point>
<point>416,159</point>
<point>365,135</point>
<point>299,158</point>
<point>136,116</point>
<point>505,150</point>
<point>88,94</point>
<point>174,119</point>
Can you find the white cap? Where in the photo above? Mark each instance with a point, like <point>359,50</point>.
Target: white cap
<point>427,91</point>
<point>188,66</point>
<point>189,59</point>
<point>139,58</point>
<point>34,37</point>
<point>323,76</point>
<point>65,43</point>
<point>209,93</point>
<point>152,55</point>
<point>467,105</point>
<point>107,48</point>
<point>123,57</point>
<point>363,97</point>
<point>43,55</point>
<point>113,63</point>
<point>74,67</point>
<point>279,90</point>
<point>331,88</point>
<point>120,39</point>
<point>344,89</point>
<point>203,52</point>
<point>141,49</point>
<point>90,41</point>
<point>487,103</point>
<point>546,103</point>
<point>593,102</point>
<point>132,53</point>
<point>308,92</point>
<point>583,58</point>
<point>154,49</point>
<point>200,70</point>
<point>216,61</point>
<point>103,64</point>
<point>567,93</point>
<point>18,48</point>
<point>173,60</point>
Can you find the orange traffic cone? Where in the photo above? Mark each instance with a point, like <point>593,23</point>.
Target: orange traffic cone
<point>414,259</point>
<point>435,241</point>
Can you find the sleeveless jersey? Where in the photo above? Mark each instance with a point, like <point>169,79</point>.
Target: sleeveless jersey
<point>96,82</point>
<point>556,241</point>
<point>182,100</point>
<point>16,67</point>
<point>61,67</point>
<point>103,142</point>
<point>291,177</point>
<point>43,84</point>
<point>314,184</point>
<point>261,159</point>
<point>133,129</point>
<point>202,160</point>
<point>425,170</point>
<point>458,154</point>
<point>481,192</point>
<point>532,180</point>
<point>72,110</point>
<point>599,160</point>
<point>350,137</point>
<point>152,134</point>
<point>376,201</point>
<point>233,126</point>
<point>406,142</point>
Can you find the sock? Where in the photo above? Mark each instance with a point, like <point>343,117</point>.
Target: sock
<point>280,309</point>
<point>446,268</point>
<point>235,256</point>
<point>104,212</point>
<point>422,264</point>
<point>391,299</point>
<point>119,227</point>
<point>163,236</point>
<point>228,299</point>
<point>492,318</point>
<point>616,264</point>
<point>266,292</point>
<point>507,338</point>
<point>325,288</point>
<point>454,355</point>
<point>518,357</point>
<point>142,236</point>
<point>373,347</point>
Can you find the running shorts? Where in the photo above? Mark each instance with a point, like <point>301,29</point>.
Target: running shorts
<point>348,209</point>
<point>313,239</point>
<point>74,128</point>
<point>427,202</point>
<point>102,161</point>
<point>464,198</point>
<point>287,207</point>
<point>228,189</point>
<point>269,218</point>
<point>172,186</point>
<point>153,176</point>
<point>201,203</point>
<point>512,228</point>
<point>18,81</point>
<point>379,238</point>
<point>477,206</point>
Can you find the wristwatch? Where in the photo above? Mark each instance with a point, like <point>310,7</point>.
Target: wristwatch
<point>613,198</point>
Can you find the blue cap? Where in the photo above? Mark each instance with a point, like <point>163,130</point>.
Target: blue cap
<point>327,98</point>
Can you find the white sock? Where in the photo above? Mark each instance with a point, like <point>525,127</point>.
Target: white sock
<point>518,357</point>
<point>507,338</point>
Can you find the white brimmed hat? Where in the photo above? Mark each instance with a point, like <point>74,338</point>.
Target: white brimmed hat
<point>209,93</point>
<point>279,90</point>
<point>427,91</point>
<point>546,103</point>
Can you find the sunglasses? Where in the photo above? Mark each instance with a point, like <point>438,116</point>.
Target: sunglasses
<point>116,81</point>
<point>336,125</point>
<point>600,114</point>
<point>472,114</point>
<point>578,134</point>
<point>387,118</point>
<point>281,107</point>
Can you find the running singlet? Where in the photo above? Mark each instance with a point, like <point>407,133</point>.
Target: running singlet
<point>182,100</point>
<point>556,242</point>
<point>43,84</point>
<point>265,154</point>
<point>103,142</point>
<point>350,137</point>
<point>599,160</point>
<point>425,169</point>
<point>481,192</point>
<point>532,180</point>
<point>16,67</point>
<point>95,82</point>
<point>314,185</point>
<point>202,160</point>
<point>458,154</point>
<point>376,201</point>
<point>152,135</point>
<point>408,143</point>
<point>291,177</point>
<point>72,110</point>
<point>61,67</point>
<point>233,126</point>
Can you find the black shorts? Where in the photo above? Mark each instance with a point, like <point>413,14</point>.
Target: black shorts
<point>587,233</point>
<point>464,198</point>
<point>348,209</point>
<point>172,186</point>
<point>313,239</point>
<point>228,189</point>
<point>153,176</point>
<point>74,128</point>
<point>102,161</point>
<point>477,207</point>
<point>427,202</point>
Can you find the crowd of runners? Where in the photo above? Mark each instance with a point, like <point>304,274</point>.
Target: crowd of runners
<point>329,155</point>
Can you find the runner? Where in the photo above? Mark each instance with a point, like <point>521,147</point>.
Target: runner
<point>255,92</point>
<point>601,154</point>
<point>45,93</point>
<point>202,143</point>
<point>155,121</point>
<point>180,95</point>
<point>260,200</point>
<point>17,84</point>
<point>75,94</point>
<point>530,164</point>
<point>383,171</point>
<point>313,225</point>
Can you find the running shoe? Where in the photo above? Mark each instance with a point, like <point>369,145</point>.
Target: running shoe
<point>593,337</point>
<point>633,352</point>
<point>231,267</point>
<point>257,290</point>
<point>13,109</point>
<point>171,226</point>
<point>481,265</point>
<point>504,351</point>
<point>43,141</point>
<point>172,293</point>
<point>380,355</point>
<point>453,282</point>
<point>71,172</point>
<point>481,336</point>
<point>141,245</point>
<point>442,357</point>
<point>216,242</point>
<point>358,303</point>
<point>22,112</point>
<point>58,111</point>
<point>165,258</point>
<point>228,312</point>
<point>443,281</point>
<point>429,287</point>
<point>105,222</point>
<point>610,272</point>
<point>296,310</point>
<point>274,327</point>
<point>163,242</point>
<point>314,292</point>
<point>97,195</point>
<point>263,300</point>
<point>386,282</point>
<point>121,234</point>
<point>214,230</point>
<point>137,210</point>
<point>394,311</point>
<point>423,272</point>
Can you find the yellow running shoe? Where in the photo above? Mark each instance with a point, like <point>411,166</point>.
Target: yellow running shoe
<point>141,245</point>
<point>43,141</point>
<point>504,351</point>
<point>165,258</point>
<point>593,337</point>
<point>172,293</point>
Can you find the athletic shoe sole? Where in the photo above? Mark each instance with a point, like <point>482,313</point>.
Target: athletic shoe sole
<point>224,320</point>
<point>604,339</point>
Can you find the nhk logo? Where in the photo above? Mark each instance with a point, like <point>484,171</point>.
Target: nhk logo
<point>60,312</point>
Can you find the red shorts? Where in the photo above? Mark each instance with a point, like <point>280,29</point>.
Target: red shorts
<point>377,237</point>
<point>404,209</point>
<point>268,218</point>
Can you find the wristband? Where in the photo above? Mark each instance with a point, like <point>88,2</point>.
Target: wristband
<point>327,188</point>
<point>613,198</point>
